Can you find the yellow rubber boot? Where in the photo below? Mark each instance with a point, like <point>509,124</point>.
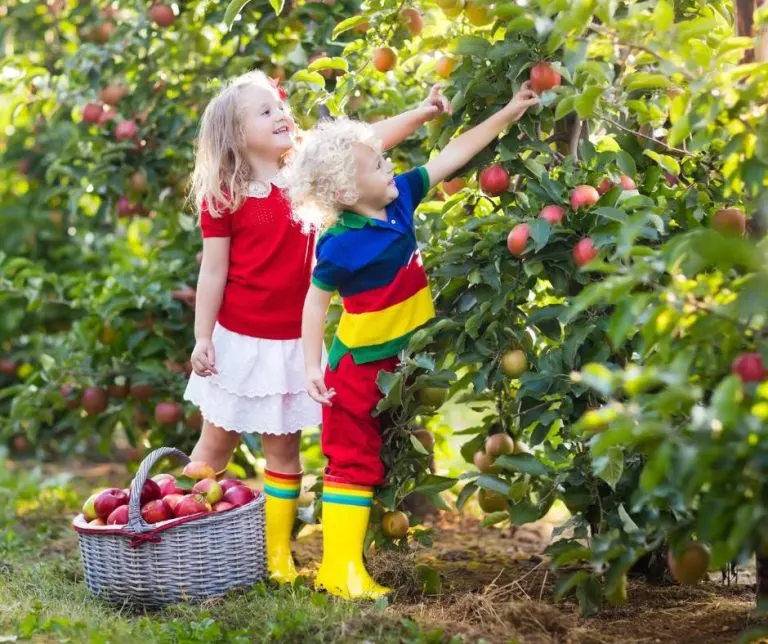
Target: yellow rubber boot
<point>346,510</point>
<point>282,498</point>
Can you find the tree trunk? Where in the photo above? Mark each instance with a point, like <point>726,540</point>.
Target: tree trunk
<point>761,587</point>
<point>745,20</point>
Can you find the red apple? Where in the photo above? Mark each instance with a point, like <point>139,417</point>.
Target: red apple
<point>168,486</point>
<point>198,470</point>
<point>95,400</point>
<point>210,489</point>
<point>125,208</point>
<point>749,367</point>
<point>172,500</point>
<point>71,396</point>
<point>223,506</point>
<point>92,112</point>
<point>118,516</point>
<point>239,495</point>
<point>730,221</point>
<point>89,511</point>
<point>517,239</point>
<point>584,252</point>
<point>156,511</point>
<point>150,492</point>
<point>553,214</point>
<point>163,476</point>
<point>604,186</point>
<point>168,413</point>
<point>584,196</point>
<point>97,522</point>
<point>108,500</point>
<point>162,15</point>
<point>627,183</point>
<point>126,130</point>
<point>142,392</point>
<point>228,484</point>
<point>494,180</point>
<point>113,94</point>
<point>107,115</point>
<point>192,504</point>
<point>544,77</point>
<point>672,180</point>
<point>194,419</point>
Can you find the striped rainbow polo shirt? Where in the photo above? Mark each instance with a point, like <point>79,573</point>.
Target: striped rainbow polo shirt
<point>377,269</point>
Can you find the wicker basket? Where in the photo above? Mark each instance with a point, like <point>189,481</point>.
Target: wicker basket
<point>185,559</point>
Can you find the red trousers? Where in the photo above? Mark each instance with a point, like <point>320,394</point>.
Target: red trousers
<point>351,436</point>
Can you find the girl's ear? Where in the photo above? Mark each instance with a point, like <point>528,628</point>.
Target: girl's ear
<point>348,197</point>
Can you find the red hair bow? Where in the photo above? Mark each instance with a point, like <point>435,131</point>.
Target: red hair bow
<point>280,91</point>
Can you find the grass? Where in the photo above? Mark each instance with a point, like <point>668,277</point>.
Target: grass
<point>45,599</point>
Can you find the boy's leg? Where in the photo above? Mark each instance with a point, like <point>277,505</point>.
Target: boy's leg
<point>351,441</point>
<point>282,487</point>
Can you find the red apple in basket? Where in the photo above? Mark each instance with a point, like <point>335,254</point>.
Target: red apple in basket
<point>239,495</point>
<point>172,500</point>
<point>149,492</point>
<point>108,500</point>
<point>228,484</point>
<point>156,511</point>
<point>192,504</point>
<point>159,478</point>
<point>222,506</point>
<point>198,470</point>
<point>119,516</point>
<point>210,489</point>
<point>97,522</point>
<point>89,511</point>
<point>168,486</point>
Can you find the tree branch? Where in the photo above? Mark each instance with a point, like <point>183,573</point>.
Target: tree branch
<point>645,136</point>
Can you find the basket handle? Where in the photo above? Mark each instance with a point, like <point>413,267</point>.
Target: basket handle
<point>135,522</point>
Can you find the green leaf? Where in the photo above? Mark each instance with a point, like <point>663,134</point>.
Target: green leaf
<point>429,579</point>
<point>565,106</point>
<point>663,16</point>
<point>610,466</point>
<point>304,75</point>
<point>667,162</point>
<point>586,103</point>
<point>726,401</point>
<point>540,231</point>
<point>566,585</point>
<point>525,463</point>
<point>472,46</point>
<point>232,10</point>
<point>339,64</point>
<point>614,214</point>
<point>599,378</point>
<point>346,25</point>
<point>629,524</point>
<point>277,6</point>
<point>646,80</point>
<point>434,484</point>
<point>47,362</point>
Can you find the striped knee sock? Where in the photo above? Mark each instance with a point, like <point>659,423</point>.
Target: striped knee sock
<point>347,494</point>
<point>282,486</point>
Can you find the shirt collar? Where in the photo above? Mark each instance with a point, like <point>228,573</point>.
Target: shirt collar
<point>353,220</point>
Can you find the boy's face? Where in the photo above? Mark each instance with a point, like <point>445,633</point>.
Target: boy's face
<point>374,177</point>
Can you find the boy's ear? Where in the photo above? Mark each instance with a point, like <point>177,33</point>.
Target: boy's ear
<point>348,197</point>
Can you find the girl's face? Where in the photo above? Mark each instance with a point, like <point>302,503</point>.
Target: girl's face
<point>267,122</point>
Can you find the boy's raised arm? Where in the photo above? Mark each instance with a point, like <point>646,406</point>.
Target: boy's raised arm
<point>463,148</point>
<point>312,325</point>
<point>394,130</point>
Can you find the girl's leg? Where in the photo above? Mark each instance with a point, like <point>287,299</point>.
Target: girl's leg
<point>282,487</point>
<point>215,446</point>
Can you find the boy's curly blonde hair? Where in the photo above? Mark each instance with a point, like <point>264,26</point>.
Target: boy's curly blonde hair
<point>323,168</point>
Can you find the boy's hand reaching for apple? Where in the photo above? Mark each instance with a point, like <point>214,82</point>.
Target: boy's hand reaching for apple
<point>521,101</point>
<point>435,104</point>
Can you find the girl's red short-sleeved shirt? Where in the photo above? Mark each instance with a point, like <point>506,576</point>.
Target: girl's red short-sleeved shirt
<point>270,263</point>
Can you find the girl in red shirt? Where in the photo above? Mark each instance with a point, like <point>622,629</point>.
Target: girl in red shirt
<point>248,361</point>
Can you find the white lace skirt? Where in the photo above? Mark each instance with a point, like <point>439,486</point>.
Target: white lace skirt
<point>259,388</point>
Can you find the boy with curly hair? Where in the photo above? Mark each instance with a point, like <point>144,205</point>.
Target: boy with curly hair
<point>367,253</point>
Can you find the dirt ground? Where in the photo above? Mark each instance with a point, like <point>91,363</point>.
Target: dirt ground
<point>497,587</point>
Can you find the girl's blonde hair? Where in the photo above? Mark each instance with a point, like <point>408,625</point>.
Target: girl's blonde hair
<point>323,168</point>
<point>222,173</point>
